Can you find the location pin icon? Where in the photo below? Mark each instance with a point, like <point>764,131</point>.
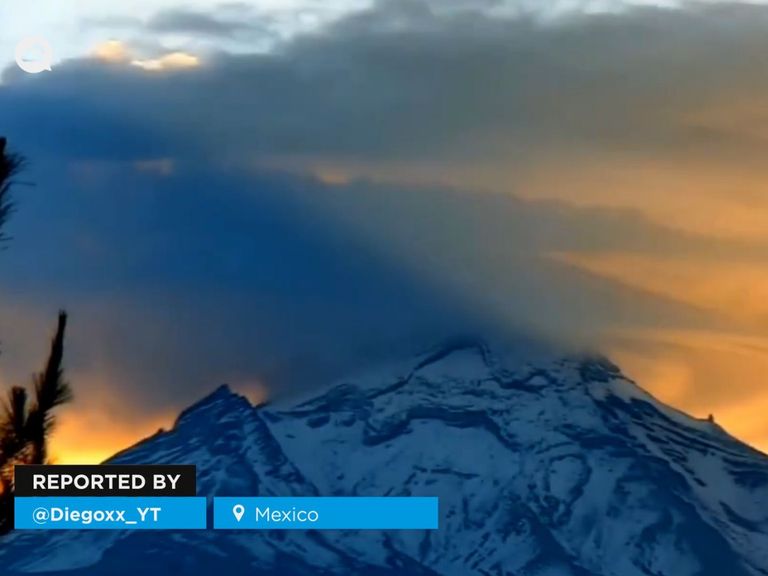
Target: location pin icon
<point>238,510</point>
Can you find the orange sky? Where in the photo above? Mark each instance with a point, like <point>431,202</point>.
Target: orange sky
<point>667,136</point>
<point>700,372</point>
<point>92,430</point>
<point>718,369</point>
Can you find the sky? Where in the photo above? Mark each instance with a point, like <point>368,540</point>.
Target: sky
<point>278,194</point>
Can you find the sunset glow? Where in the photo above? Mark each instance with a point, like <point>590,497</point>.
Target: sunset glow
<point>277,196</point>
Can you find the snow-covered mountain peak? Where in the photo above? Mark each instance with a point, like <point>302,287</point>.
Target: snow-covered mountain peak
<point>554,466</point>
<point>219,403</point>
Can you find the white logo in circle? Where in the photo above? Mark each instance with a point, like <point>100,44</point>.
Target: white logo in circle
<point>34,55</point>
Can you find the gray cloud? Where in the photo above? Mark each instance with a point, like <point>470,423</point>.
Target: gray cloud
<point>199,23</point>
<point>401,82</point>
<point>179,282</point>
<point>295,280</point>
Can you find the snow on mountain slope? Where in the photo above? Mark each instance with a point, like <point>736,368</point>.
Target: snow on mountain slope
<point>556,468</point>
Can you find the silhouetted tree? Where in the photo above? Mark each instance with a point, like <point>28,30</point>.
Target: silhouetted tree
<point>10,164</point>
<point>51,390</point>
<point>25,428</point>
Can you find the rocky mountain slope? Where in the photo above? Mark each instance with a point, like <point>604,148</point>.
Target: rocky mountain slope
<point>559,467</point>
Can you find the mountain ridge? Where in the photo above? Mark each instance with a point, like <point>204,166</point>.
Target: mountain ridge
<point>559,467</point>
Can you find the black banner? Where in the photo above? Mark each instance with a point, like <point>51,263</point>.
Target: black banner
<point>106,480</point>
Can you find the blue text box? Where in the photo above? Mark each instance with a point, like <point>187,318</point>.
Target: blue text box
<point>110,513</point>
<point>330,513</point>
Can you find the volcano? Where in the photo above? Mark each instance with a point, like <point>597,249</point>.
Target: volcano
<point>553,467</point>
